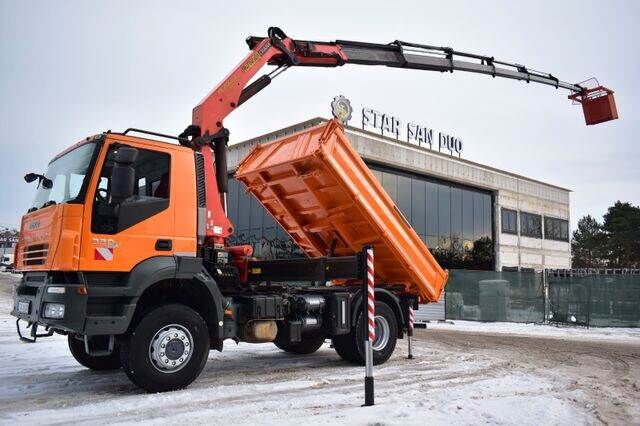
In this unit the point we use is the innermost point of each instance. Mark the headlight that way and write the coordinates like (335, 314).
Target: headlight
(55, 290)
(54, 310)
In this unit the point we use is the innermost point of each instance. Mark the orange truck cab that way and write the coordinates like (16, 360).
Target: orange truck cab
(74, 237)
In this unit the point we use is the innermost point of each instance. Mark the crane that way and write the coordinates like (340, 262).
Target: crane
(208, 135)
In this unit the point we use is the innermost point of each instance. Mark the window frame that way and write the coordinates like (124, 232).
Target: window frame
(522, 221)
(560, 221)
(504, 230)
(162, 204)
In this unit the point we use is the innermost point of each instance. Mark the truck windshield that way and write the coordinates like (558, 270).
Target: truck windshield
(67, 173)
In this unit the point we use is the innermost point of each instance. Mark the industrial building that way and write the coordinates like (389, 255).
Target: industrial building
(471, 216)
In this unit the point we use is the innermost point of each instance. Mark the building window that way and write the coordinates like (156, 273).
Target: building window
(455, 221)
(509, 221)
(556, 229)
(530, 225)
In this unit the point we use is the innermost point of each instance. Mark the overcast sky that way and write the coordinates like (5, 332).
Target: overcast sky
(76, 68)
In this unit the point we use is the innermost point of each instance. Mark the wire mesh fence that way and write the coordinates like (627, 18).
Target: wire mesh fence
(595, 297)
(495, 296)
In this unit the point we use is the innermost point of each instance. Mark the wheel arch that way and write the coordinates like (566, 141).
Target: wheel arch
(174, 279)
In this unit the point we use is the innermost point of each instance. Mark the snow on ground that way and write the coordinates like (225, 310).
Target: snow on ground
(456, 378)
(541, 330)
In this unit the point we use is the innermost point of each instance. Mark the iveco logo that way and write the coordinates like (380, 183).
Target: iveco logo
(34, 225)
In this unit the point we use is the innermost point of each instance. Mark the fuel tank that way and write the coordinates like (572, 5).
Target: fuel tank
(320, 191)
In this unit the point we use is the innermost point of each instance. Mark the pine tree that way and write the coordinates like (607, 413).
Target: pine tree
(622, 226)
(589, 244)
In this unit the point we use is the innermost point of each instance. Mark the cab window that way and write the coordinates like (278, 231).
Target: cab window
(150, 196)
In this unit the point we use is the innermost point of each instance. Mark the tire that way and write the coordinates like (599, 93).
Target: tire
(350, 347)
(181, 328)
(97, 363)
(309, 344)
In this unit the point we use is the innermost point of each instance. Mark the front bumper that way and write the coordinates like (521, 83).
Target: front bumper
(32, 293)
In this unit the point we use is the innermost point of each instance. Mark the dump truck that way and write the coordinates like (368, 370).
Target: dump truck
(125, 249)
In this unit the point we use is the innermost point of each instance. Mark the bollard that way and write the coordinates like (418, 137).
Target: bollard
(368, 317)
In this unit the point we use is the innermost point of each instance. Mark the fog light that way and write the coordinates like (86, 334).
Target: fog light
(54, 310)
(55, 290)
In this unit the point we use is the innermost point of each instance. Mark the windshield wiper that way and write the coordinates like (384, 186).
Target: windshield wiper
(48, 203)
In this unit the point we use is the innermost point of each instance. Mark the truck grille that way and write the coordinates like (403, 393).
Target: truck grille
(35, 254)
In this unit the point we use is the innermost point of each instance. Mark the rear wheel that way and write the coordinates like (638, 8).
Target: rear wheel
(167, 349)
(350, 346)
(309, 344)
(97, 363)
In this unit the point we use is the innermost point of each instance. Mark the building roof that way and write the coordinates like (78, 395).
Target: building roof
(317, 120)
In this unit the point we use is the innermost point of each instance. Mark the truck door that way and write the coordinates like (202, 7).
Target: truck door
(121, 233)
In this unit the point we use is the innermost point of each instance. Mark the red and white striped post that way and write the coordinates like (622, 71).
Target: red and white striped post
(368, 313)
(412, 320)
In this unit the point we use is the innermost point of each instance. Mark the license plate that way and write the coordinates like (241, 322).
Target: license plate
(23, 307)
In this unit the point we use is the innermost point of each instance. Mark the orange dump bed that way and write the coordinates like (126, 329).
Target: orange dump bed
(319, 190)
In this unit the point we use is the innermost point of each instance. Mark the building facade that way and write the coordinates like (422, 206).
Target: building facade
(471, 216)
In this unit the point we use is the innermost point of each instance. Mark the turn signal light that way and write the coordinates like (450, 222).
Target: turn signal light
(82, 291)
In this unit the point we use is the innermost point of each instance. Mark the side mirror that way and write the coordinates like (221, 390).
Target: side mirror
(123, 174)
(44, 181)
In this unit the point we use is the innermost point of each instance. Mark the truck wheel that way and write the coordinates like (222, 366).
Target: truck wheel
(350, 346)
(309, 344)
(97, 363)
(167, 349)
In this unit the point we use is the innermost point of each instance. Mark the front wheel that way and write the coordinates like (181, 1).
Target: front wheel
(350, 346)
(167, 349)
(97, 363)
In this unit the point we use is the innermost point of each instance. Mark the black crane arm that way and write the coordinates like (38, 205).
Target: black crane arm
(400, 54)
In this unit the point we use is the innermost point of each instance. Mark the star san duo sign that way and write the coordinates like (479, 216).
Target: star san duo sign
(391, 125)
(416, 134)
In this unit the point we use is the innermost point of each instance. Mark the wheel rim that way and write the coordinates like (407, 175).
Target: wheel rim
(383, 332)
(171, 348)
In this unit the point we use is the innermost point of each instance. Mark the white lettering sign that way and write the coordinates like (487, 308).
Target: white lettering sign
(383, 122)
(416, 133)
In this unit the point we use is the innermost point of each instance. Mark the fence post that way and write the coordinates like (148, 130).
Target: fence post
(545, 287)
(589, 304)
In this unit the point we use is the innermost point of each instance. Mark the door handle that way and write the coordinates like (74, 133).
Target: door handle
(164, 245)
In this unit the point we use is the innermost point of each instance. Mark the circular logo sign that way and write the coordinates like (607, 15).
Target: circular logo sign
(341, 109)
